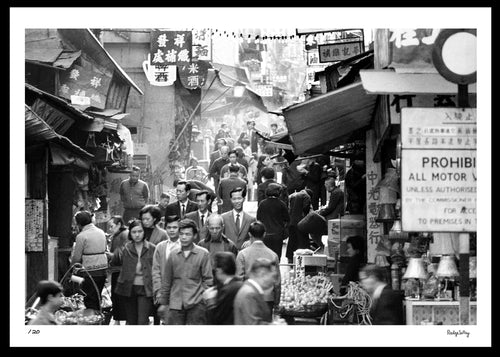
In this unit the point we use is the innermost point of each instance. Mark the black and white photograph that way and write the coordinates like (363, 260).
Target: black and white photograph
(322, 167)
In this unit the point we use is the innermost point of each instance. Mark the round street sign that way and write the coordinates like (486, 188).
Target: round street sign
(454, 55)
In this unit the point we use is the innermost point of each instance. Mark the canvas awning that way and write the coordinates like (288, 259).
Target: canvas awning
(217, 92)
(391, 82)
(329, 120)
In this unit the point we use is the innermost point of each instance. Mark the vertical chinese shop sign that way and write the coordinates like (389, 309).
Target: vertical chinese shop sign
(374, 230)
(438, 169)
(169, 49)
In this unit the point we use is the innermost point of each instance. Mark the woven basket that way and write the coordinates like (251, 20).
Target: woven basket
(307, 311)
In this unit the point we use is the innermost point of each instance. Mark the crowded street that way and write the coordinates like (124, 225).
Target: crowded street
(242, 174)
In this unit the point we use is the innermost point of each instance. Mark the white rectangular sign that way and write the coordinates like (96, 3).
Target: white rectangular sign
(438, 128)
(438, 190)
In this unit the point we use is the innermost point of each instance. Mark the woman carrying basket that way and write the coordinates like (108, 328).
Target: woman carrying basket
(89, 250)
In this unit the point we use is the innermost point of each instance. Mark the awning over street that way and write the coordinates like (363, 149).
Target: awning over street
(217, 93)
(38, 131)
(391, 82)
(320, 124)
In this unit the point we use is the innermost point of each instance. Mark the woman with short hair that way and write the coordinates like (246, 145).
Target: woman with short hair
(135, 282)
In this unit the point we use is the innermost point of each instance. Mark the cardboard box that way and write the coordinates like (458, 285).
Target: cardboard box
(341, 228)
(318, 260)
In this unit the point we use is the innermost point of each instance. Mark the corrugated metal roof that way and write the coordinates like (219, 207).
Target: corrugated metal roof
(60, 102)
(37, 130)
(54, 57)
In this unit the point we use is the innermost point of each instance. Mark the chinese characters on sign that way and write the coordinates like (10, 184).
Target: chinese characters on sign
(264, 90)
(339, 51)
(439, 190)
(171, 47)
(202, 44)
(374, 229)
(160, 75)
(412, 48)
(193, 75)
(85, 83)
(313, 57)
(34, 225)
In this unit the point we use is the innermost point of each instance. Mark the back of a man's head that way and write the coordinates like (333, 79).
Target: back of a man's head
(257, 230)
(268, 173)
(233, 168)
(375, 271)
(260, 264)
(83, 218)
(226, 262)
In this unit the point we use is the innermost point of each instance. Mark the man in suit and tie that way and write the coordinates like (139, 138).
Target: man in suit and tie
(226, 186)
(237, 222)
(183, 205)
(200, 216)
(387, 304)
(250, 308)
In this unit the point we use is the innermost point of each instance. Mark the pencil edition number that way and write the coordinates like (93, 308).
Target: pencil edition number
(33, 332)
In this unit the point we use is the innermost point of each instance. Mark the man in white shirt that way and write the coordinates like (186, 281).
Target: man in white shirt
(237, 222)
(162, 252)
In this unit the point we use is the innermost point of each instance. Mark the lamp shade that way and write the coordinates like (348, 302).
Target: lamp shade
(415, 269)
(447, 267)
(386, 213)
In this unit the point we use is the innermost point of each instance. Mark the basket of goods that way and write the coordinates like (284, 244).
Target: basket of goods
(351, 308)
(305, 296)
(79, 317)
(73, 310)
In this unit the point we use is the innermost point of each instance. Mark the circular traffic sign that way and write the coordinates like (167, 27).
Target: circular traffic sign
(454, 55)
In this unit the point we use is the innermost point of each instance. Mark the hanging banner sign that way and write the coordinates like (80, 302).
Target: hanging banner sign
(171, 48)
(193, 75)
(161, 75)
(78, 81)
(339, 51)
(438, 169)
(202, 45)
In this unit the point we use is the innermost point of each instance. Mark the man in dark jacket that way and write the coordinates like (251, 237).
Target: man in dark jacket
(183, 204)
(274, 214)
(268, 174)
(227, 285)
(335, 207)
(387, 304)
(134, 194)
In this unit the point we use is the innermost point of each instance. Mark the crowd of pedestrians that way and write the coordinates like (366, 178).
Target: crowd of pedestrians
(180, 263)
